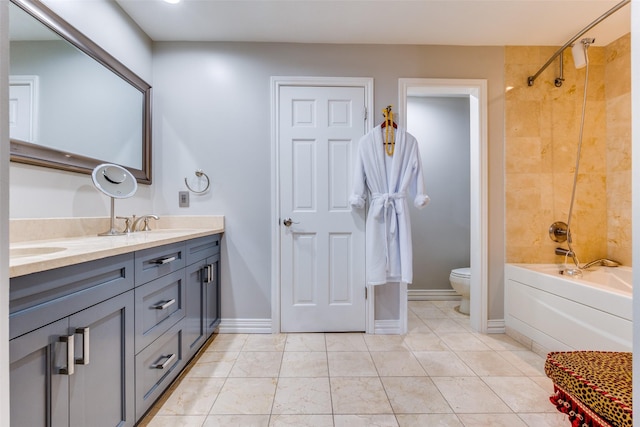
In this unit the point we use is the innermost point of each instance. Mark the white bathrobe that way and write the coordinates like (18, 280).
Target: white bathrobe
(387, 182)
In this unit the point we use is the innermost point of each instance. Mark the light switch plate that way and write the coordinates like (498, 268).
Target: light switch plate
(183, 199)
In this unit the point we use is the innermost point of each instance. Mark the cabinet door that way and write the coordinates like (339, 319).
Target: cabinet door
(101, 391)
(195, 329)
(39, 392)
(212, 294)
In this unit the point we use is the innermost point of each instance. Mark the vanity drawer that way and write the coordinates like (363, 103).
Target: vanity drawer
(158, 306)
(156, 366)
(202, 247)
(157, 262)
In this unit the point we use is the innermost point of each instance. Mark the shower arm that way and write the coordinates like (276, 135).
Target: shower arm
(608, 13)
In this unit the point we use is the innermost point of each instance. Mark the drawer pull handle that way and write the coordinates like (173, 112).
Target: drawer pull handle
(68, 370)
(166, 363)
(162, 261)
(165, 304)
(84, 360)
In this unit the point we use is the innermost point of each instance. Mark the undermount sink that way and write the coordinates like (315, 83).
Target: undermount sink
(163, 230)
(35, 251)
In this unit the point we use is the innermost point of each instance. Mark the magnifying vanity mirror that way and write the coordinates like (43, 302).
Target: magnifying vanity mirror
(73, 105)
(117, 183)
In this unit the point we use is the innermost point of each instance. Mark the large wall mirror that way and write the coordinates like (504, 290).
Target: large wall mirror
(72, 104)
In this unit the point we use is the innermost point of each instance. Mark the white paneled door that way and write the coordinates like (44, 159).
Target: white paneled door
(322, 239)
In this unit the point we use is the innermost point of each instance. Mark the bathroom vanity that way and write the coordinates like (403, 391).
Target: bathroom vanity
(98, 341)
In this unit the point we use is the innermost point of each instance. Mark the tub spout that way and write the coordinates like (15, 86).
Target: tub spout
(568, 253)
(564, 252)
(605, 262)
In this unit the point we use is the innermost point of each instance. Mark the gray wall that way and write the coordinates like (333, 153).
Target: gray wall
(212, 111)
(4, 213)
(441, 233)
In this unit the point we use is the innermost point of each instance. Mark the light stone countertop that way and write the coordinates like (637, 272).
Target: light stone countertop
(32, 256)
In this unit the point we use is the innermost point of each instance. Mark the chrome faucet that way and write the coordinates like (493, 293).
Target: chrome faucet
(145, 218)
(568, 252)
(605, 262)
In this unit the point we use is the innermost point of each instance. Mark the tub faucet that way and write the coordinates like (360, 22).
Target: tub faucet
(136, 222)
(568, 252)
(605, 262)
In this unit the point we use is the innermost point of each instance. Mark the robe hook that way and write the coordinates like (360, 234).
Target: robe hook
(199, 173)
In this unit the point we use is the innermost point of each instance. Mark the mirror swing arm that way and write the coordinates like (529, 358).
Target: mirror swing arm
(117, 183)
(34, 154)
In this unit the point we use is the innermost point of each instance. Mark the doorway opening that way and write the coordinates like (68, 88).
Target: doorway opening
(476, 92)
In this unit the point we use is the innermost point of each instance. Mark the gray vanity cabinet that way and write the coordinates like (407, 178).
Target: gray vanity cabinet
(76, 370)
(97, 343)
(203, 291)
(97, 391)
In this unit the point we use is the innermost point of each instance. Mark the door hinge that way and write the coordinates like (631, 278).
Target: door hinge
(366, 114)
(366, 293)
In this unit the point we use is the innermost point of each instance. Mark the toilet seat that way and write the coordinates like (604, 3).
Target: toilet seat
(462, 273)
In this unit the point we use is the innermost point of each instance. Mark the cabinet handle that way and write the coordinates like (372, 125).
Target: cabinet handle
(84, 360)
(209, 273)
(166, 363)
(68, 370)
(162, 261)
(164, 305)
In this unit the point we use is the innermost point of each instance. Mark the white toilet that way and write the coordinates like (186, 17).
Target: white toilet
(460, 279)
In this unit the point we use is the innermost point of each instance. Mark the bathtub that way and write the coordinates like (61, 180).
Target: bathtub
(556, 312)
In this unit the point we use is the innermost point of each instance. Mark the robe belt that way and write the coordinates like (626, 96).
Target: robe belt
(381, 203)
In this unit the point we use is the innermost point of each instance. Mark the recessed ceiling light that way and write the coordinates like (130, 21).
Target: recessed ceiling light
(172, 1)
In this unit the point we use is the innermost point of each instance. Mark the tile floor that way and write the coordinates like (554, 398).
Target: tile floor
(439, 374)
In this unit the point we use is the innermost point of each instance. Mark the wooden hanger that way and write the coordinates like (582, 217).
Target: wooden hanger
(388, 118)
(389, 134)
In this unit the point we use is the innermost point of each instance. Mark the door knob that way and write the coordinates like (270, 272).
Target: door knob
(288, 221)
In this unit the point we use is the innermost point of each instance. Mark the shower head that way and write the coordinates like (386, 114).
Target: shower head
(579, 52)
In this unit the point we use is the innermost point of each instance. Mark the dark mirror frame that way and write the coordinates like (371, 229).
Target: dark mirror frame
(33, 154)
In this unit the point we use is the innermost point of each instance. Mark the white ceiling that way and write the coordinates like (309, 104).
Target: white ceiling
(434, 22)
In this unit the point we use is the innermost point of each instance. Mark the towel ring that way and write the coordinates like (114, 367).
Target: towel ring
(199, 173)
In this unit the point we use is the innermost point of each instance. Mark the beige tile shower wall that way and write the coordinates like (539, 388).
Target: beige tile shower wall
(618, 98)
(542, 125)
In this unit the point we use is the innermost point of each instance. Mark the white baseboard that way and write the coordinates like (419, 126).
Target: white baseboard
(387, 327)
(432, 295)
(381, 327)
(245, 326)
(496, 326)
